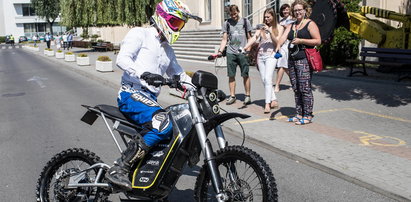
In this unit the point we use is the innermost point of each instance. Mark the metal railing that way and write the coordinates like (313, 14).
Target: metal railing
(270, 4)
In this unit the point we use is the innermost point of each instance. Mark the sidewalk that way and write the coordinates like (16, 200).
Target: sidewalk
(341, 147)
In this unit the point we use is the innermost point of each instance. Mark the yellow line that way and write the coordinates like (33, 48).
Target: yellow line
(331, 110)
(379, 115)
(285, 117)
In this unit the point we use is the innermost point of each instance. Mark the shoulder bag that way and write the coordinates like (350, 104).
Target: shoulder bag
(314, 59)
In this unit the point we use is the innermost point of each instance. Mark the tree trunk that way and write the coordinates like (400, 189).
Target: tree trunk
(51, 26)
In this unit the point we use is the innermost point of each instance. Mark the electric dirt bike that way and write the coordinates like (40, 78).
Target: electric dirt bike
(233, 173)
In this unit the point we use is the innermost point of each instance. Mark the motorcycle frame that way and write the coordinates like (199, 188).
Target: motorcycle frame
(199, 123)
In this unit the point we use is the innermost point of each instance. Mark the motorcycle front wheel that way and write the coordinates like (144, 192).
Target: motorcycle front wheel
(244, 174)
(53, 181)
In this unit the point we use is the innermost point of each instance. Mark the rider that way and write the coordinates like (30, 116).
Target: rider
(144, 57)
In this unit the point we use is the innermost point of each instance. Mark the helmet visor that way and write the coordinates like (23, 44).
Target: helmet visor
(175, 23)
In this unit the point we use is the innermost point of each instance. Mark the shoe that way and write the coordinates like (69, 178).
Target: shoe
(274, 104)
(303, 121)
(267, 109)
(118, 174)
(230, 100)
(276, 89)
(294, 119)
(247, 100)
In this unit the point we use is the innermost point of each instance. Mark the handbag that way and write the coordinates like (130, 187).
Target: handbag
(314, 59)
(252, 55)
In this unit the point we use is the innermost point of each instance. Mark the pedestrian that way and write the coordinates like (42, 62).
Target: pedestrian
(70, 41)
(282, 64)
(267, 36)
(146, 55)
(303, 33)
(48, 39)
(236, 32)
(64, 38)
(34, 39)
(57, 41)
(12, 39)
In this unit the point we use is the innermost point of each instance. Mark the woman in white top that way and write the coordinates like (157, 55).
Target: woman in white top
(57, 41)
(282, 64)
(267, 35)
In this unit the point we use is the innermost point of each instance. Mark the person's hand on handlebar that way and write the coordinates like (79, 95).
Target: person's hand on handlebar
(153, 79)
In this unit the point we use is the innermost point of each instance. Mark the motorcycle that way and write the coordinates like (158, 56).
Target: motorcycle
(233, 173)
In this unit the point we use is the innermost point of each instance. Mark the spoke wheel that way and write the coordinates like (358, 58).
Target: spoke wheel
(54, 179)
(245, 177)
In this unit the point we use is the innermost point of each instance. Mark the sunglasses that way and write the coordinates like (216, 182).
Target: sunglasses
(175, 23)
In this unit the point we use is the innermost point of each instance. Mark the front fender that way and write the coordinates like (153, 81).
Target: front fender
(217, 120)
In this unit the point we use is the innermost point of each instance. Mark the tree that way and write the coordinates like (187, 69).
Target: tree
(98, 13)
(47, 9)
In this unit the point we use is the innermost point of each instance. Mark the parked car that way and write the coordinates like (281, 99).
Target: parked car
(22, 38)
(7, 39)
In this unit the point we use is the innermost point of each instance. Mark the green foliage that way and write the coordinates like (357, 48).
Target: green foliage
(2, 39)
(84, 35)
(344, 44)
(82, 55)
(104, 58)
(86, 13)
(69, 53)
(59, 51)
(352, 5)
(95, 36)
(47, 9)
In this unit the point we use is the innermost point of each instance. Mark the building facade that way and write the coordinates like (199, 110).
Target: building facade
(17, 17)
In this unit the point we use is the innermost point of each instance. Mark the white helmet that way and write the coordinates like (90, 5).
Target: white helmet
(170, 17)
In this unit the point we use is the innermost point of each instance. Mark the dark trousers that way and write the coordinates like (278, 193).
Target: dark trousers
(300, 77)
(48, 44)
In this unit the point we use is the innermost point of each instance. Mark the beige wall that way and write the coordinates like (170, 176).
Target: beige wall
(112, 34)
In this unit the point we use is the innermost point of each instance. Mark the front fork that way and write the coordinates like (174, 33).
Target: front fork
(207, 149)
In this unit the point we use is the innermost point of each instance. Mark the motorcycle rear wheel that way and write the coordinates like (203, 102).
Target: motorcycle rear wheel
(54, 177)
(245, 177)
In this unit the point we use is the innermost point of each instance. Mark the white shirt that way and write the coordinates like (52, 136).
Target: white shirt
(141, 51)
(64, 38)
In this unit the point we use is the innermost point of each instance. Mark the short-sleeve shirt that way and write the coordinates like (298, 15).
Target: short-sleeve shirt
(237, 37)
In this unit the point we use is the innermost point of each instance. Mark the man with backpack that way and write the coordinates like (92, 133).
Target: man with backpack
(236, 32)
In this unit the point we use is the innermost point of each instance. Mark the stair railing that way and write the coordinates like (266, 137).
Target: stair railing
(270, 4)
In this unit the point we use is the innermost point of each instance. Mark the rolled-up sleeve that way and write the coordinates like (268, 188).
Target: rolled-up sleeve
(130, 46)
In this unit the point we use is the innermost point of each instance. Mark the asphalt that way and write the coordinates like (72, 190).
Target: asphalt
(334, 147)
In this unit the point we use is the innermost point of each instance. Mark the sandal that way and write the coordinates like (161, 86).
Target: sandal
(294, 119)
(275, 105)
(267, 109)
(303, 121)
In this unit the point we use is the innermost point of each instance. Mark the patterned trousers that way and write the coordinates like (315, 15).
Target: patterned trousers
(300, 77)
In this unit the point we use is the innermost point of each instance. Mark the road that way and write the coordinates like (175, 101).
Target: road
(40, 108)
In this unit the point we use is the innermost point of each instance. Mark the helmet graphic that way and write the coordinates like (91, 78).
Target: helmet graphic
(170, 17)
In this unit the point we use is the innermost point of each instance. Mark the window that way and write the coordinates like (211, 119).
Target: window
(248, 9)
(226, 10)
(207, 10)
(28, 10)
(29, 28)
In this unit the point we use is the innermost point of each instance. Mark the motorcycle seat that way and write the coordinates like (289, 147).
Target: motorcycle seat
(115, 113)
